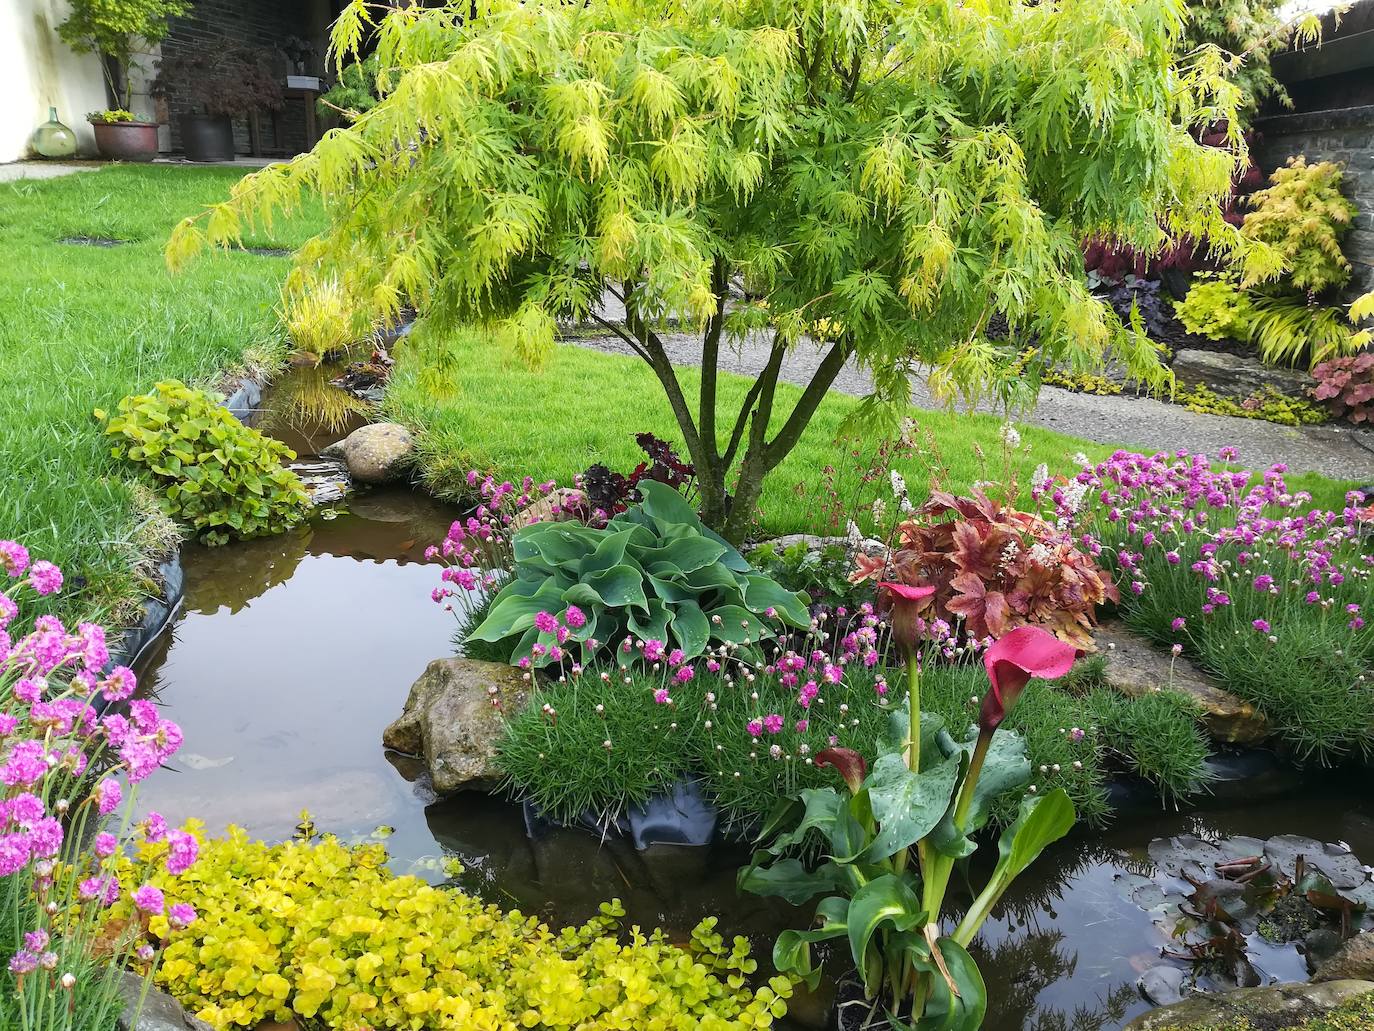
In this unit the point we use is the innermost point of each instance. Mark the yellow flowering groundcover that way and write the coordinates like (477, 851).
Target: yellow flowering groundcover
(325, 933)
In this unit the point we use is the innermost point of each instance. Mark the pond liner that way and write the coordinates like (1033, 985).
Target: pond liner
(158, 613)
(680, 816)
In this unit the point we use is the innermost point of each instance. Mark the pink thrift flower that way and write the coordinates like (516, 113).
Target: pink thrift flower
(119, 685)
(755, 728)
(149, 899)
(684, 674)
(108, 795)
(182, 850)
(801, 726)
(1178, 624)
(14, 557)
(45, 578)
(772, 723)
(105, 844)
(676, 657)
(182, 914)
(546, 623)
(1262, 625)
(575, 617)
(661, 696)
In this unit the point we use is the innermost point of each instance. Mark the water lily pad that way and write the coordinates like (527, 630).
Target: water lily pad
(1337, 864)
(1185, 855)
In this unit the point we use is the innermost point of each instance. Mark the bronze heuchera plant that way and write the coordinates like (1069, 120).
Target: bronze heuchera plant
(994, 568)
(890, 840)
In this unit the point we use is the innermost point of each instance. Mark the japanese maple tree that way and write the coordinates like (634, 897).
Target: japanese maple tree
(871, 180)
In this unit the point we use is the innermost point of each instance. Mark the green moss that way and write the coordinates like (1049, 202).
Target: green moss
(1355, 1015)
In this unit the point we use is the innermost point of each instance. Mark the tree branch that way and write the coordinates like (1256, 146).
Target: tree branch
(710, 362)
(657, 357)
(630, 341)
(777, 449)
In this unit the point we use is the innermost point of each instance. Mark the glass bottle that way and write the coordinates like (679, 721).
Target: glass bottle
(52, 139)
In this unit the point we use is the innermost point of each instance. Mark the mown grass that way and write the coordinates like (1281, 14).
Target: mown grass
(474, 406)
(84, 326)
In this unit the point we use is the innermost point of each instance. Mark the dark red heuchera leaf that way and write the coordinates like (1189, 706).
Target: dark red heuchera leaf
(1012, 660)
(850, 764)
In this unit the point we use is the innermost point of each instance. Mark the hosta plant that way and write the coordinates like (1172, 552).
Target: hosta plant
(653, 572)
(889, 843)
(219, 476)
(994, 568)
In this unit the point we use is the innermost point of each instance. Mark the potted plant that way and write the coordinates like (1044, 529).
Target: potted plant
(220, 85)
(111, 29)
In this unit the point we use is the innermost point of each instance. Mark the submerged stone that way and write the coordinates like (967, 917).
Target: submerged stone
(1354, 959)
(451, 721)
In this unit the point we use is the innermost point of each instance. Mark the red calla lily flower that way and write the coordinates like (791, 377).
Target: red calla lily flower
(852, 766)
(1012, 660)
(906, 602)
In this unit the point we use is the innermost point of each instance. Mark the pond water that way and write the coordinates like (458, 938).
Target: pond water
(291, 654)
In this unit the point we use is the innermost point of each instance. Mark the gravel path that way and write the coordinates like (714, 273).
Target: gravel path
(1139, 422)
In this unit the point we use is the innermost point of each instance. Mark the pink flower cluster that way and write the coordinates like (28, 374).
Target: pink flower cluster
(476, 552)
(57, 728)
(1250, 546)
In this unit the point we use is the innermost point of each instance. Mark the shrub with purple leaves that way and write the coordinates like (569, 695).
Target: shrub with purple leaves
(1347, 386)
(74, 744)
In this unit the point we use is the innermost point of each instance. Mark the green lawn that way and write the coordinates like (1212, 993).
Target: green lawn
(474, 406)
(83, 326)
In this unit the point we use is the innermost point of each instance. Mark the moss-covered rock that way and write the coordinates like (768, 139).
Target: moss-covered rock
(1332, 1006)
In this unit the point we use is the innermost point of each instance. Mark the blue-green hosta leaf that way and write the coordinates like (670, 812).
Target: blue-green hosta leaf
(715, 577)
(763, 592)
(680, 556)
(736, 624)
(907, 805)
(662, 502)
(884, 901)
(672, 591)
(557, 545)
(619, 586)
(513, 611)
(610, 551)
(652, 625)
(789, 879)
(691, 628)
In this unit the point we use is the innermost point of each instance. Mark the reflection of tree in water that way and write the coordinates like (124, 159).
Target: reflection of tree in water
(1041, 887)
(304, 408)
(1019, 969)
(231, 576)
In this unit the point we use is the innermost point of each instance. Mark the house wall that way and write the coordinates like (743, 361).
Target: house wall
(38, 71)
(1332, 119)
(261, 25)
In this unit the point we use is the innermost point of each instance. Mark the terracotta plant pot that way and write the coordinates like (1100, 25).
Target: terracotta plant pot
(126, 141)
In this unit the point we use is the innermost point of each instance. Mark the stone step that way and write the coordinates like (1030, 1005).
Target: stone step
(1137, 666)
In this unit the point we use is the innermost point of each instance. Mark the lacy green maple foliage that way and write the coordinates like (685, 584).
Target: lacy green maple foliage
(870, 179)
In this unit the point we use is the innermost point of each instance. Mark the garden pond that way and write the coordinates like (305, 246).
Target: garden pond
(316, 635)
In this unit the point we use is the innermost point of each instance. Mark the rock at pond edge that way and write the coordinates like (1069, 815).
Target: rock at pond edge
(376, 453)
(1353, 960)
(451, 722)
(160, 1011)
(1272, 1006)
(1136, 667)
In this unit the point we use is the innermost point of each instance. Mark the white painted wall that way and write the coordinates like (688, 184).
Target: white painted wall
(38, 71)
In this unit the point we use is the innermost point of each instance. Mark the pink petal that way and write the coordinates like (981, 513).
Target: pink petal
(907, 591)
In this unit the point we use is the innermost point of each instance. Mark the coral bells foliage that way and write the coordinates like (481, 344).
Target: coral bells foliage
(65, 759)
(993, 569)
(1347, 386)
(1267, 592)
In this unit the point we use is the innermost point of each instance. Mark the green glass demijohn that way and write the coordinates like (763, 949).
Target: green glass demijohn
(52, 139)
